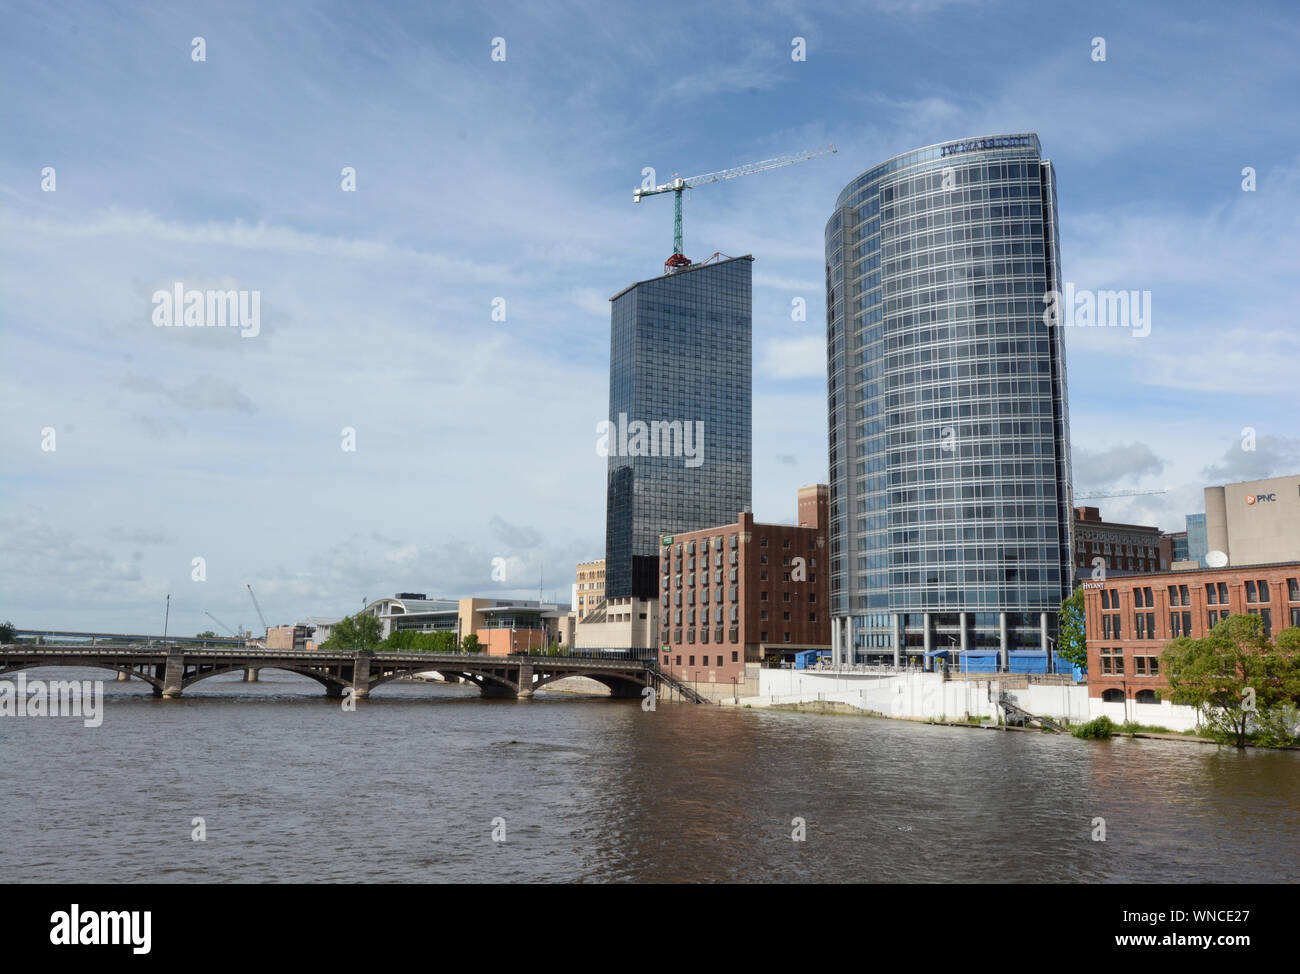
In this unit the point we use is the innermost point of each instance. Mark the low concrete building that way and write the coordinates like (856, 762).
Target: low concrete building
(503, 626)
(296, 637)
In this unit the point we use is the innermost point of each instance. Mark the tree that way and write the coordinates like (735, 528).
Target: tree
(470, 644)
(1071, 638)
(6, 632)
(1234, 674)
(361, 631)
(205, 634)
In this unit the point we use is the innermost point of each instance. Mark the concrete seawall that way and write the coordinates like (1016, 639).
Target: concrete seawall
(928, 696)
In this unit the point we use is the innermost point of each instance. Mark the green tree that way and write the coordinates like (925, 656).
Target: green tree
(205, 634)
(1234, 675)
(1071, 639)
(361, 631)
(470, 644)
(6, 632)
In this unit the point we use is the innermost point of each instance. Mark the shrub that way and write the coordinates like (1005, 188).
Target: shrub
(1096, 730)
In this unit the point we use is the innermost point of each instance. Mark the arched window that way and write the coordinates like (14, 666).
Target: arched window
(1145, 696)
(1113, 695)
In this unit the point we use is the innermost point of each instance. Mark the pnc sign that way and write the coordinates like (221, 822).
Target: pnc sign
(1252, 499)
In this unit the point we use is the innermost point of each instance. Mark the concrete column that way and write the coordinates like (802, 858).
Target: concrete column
(525, 682)
(898, 639)
(361, 676)
(123, 676)
(1042, 641)
(251, 674)
(963, 632)
(850, 653)
(925, 621)
(836, 655)
(173, 677)
(1004, 659)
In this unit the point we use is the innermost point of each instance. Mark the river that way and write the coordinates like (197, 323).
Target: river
(293, 788)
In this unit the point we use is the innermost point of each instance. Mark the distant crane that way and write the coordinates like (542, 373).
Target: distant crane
(1118, 493)
(265, 627)
(679, 185)
(232, 632)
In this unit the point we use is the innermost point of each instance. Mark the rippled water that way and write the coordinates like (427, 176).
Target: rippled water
(292, 788)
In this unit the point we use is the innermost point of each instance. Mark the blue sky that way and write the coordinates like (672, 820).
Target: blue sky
(479, 179)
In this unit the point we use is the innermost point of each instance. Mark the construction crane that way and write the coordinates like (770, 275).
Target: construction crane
(223, 625)
(265, 627)
(679, 185)
(1119, 493)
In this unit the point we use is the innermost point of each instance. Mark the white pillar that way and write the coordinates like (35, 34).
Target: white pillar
(835, 641)
(1042, 640)
(850, 654)
(898, 639)
(1005, 660)
(925, 620)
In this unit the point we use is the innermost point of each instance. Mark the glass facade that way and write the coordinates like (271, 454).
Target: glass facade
(1198, 545)
(946, 398)
(679, 446)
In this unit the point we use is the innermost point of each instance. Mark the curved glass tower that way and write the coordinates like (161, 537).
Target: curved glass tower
(946, 397)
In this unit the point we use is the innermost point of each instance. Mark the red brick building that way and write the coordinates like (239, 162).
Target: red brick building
(734, 594)
(1123, 548)
(1129, 620)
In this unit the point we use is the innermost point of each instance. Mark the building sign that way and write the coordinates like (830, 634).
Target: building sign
(1259, 498)
(977, 144)
(668, 540)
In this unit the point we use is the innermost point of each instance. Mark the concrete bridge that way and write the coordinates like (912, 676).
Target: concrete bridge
(171, 670)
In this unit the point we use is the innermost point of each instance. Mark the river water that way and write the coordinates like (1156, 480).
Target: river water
(291, 787)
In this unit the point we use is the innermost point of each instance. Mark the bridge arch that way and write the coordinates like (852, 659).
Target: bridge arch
(323, 679)
(153, 681)
(625, 681)
(475, 677)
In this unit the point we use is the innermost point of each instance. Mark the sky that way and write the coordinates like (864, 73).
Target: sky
(128, 450)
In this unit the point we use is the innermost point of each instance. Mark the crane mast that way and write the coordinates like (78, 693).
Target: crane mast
(265, 627)
(680, 185)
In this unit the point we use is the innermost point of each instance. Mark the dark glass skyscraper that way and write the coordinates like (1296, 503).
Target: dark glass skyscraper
(679, 432)
(949, 432)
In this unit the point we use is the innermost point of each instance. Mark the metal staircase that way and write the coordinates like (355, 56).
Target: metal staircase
(1023, 716)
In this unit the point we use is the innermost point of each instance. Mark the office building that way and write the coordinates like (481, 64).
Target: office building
(1197, 541)
(1255, 521)
(1128, 622)
(678, 435)
(950, 516)
(1119, 549)
(736, 594)
(589, 589)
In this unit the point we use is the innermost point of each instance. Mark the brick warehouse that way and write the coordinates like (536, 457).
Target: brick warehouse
(732, 595)
(1129, 620)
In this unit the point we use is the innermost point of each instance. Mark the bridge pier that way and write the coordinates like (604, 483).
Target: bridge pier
(525, 682)
(123, 676)
(173, 677)
(361, 677)
(251, 674)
